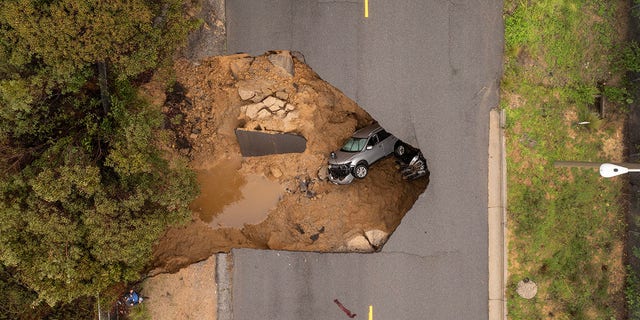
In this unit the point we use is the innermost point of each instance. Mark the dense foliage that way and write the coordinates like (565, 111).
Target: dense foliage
(85, 189)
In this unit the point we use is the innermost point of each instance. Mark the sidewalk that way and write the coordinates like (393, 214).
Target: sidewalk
(497, 187)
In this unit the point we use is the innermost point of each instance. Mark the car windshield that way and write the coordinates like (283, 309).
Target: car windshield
(354, 144)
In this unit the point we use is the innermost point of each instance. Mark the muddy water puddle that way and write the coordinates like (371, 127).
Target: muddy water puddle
(229, 199)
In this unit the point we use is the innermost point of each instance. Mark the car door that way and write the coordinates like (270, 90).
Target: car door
(375, 150)
(387, 142)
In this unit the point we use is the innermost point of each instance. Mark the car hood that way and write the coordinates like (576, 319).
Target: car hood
(343, 157)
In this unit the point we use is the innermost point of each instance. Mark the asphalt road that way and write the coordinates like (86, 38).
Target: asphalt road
(428, 71)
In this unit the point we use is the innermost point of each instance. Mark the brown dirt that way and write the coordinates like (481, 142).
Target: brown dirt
(190, 293)
(204, 121)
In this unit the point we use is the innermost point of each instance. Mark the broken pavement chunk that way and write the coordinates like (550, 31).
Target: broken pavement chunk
(262, 143)
(283, 61)
(298, 55)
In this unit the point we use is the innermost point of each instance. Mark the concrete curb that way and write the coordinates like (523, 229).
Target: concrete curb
(497, 187)
(223, 286)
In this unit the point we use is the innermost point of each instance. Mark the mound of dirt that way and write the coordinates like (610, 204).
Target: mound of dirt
(217, 95)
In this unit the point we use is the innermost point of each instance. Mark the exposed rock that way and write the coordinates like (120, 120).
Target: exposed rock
(260, 89)
(246, 94)
(322, 173)
(376, 237)
(276, 172)
(290, 122)
(291, 116)
(253, 109)
(276, 239)
(260, 96)
(282, 95)
(283, 61)
(274, 108)
(359, 244)
(269, 101)
(239, 66)
(289, 107)
(263, 114)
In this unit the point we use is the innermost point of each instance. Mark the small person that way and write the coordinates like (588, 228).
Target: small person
(133, 298)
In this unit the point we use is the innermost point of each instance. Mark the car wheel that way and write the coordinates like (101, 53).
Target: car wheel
(361, 170)
(400, 149)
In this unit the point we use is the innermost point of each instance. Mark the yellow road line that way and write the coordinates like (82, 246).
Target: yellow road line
(370, 307)
(366, 8)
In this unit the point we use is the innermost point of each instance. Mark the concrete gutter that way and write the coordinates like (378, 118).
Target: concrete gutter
(497, 218)
(223, 286)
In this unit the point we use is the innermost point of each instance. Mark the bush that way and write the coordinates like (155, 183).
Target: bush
(632, 294)
(628, 58)
(139, 312)
(618, 95)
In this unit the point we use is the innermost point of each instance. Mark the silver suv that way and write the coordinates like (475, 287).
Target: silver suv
(365, 147)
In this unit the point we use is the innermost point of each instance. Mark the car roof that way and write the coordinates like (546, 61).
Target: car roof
(367, 131)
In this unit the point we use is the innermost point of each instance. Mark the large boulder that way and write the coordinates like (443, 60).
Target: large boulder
(376, 237)
(359, 244)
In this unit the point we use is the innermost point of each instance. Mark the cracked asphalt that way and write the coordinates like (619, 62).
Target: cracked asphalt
(429, 72)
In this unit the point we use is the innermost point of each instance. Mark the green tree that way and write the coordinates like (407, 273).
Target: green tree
(84, 191)
(17, 302)
(64, 37)
(72, 223)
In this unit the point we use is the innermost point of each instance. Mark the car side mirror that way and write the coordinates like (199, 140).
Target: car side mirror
(369, 147)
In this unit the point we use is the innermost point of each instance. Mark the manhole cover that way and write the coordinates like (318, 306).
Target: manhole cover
(527, 288)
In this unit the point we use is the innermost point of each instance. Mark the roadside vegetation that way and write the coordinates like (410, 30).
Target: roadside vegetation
(566, 225)
(86, 184)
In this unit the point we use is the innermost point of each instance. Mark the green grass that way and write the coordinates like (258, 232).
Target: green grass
(566, 225)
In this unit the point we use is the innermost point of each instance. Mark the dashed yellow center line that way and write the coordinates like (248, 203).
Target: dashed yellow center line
(370, 307)
(366, 8)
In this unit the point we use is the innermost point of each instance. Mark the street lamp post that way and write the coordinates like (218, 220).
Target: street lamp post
(609, 170)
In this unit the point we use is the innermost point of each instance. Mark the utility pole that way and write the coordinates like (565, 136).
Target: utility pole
(606, 169)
